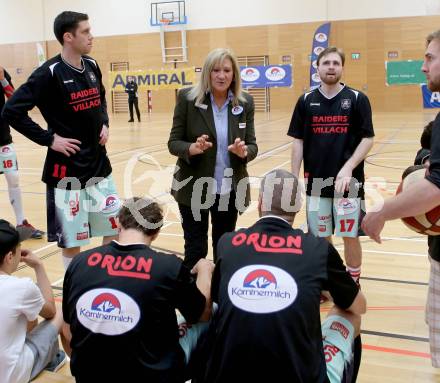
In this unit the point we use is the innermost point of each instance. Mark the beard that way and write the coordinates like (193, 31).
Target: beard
(434, 85)
(331, 80)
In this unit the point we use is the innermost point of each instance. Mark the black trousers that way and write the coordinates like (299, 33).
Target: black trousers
(131, 102)
(195, 232)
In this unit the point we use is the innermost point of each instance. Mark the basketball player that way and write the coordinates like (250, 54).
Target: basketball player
(267, 283)
(421, 197)
(120, 300)
(8, 159)
(81, 196)
(332, 131)
(432, 319)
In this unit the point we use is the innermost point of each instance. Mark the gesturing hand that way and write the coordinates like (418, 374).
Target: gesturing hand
(200, 145)
(239, 148)
(64, 145)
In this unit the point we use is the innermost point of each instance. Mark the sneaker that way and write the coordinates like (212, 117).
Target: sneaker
(36, 234)
(57, 362)
(131, 120)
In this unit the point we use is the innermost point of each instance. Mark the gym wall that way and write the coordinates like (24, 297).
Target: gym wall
(115, 26)
(371, 38)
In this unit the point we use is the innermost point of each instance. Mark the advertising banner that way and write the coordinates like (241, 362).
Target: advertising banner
(430, 99)
(320, 42)
(404, 72)
(154, 79)
(266, 76)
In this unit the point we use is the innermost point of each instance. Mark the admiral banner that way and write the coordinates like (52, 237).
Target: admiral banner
(154, 79)
(266, 76)
(320, 42)
(430, 99)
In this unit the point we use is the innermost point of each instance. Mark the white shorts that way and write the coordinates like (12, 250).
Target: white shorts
(8, 159)
(73, 216)
(340, 216)
(337, 342)
(190, 335)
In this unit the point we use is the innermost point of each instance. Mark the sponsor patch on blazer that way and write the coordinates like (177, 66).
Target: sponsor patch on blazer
(242, 125)
(236, 110)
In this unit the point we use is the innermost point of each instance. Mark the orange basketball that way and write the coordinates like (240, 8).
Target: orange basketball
(428, 223)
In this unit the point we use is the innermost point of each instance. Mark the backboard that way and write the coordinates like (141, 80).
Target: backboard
(168, 13)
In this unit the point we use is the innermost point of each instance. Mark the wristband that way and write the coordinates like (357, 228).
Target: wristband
(8, 89)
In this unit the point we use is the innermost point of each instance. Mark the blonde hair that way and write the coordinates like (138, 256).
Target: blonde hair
(215, 57)
(433, 36)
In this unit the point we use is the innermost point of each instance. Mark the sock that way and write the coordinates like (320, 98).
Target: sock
(355, 273)
(17, 205)
(14, 192)
(66, 262)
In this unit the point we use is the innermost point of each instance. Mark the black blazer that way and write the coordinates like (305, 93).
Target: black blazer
(191, 121)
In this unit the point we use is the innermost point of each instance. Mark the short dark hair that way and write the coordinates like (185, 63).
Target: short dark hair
(67, 21)
(3, 255)
(141, 214)
(279, 194)
(329, 50)
(10, 237)
(425, 138)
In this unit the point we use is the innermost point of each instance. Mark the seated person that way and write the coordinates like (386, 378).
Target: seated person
(267, 283)
(26, 347)
(120, 301)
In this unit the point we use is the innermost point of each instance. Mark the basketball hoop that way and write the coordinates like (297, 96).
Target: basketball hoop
(169, 13)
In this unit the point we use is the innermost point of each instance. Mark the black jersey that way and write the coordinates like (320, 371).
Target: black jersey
(434, 158)
(434, 177)
(267, 283)
(120, 303)
(5, 131)
(331, 130)
(72, 102)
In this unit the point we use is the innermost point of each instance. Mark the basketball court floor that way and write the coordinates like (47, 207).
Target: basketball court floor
(394, 274)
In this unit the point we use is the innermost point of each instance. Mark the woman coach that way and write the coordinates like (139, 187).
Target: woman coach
(213, 137)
